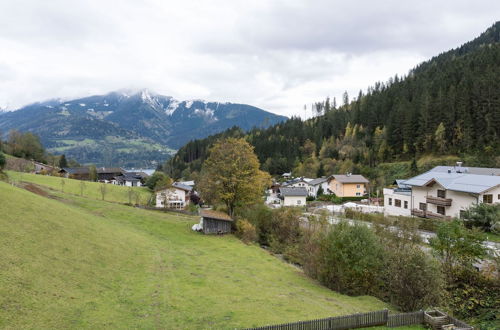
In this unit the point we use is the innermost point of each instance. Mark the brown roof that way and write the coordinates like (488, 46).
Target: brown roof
(352, 178)
(215, 215)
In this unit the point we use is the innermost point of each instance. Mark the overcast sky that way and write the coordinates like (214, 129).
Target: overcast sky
(277, 55)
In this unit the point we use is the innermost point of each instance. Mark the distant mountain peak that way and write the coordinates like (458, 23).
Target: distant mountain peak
(92, 128)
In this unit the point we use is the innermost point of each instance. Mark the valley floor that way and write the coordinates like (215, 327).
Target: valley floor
(75, 262)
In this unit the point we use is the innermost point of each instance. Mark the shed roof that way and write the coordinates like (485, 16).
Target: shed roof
(299, 191)
(215, 215)
(351, 178)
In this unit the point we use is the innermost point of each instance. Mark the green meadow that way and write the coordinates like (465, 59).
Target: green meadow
(78, 262)
(92, 190)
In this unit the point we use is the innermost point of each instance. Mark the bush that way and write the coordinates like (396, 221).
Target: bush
(413, 279)
(284, 231)
(246, 231)
(330, 198)
(483, 216)
(351, 259)
(259, 216)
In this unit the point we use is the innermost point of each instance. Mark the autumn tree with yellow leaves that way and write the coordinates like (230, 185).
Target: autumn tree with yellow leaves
(231, 175)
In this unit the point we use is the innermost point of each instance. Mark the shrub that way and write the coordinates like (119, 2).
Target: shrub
(2, 161)
(413, 279)
(351, 259)
(284, 229)
(246, 231)
(484, 216)
(258, 215)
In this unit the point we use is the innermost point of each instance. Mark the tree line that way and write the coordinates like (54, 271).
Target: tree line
(449, 105)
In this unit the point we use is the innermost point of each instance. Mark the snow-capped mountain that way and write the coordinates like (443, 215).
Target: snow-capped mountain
(87, 128)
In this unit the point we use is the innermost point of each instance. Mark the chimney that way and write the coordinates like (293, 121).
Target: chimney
(459, 167)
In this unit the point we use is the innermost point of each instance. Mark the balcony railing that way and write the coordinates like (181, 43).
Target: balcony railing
(439, 201)
(428, 214)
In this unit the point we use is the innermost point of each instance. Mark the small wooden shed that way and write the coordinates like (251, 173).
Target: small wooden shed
(215, 222)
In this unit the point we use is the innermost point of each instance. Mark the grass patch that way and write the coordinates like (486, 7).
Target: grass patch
(72, 262)
(119, 194)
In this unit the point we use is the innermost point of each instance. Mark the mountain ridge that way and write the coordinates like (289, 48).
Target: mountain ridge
(157, 123)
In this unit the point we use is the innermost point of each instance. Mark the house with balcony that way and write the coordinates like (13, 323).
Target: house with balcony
(176, 196)
(447, 191)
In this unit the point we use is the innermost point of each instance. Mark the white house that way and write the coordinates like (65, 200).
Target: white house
(301, 183)
(397, 201)
(315, 184)
(447, 191)
(293, 196)
(175, 197)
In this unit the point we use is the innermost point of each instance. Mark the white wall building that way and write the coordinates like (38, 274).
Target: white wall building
(175, 197)
(447, 191)
(293, 196)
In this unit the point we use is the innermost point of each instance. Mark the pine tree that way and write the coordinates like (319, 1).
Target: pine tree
(63, 162)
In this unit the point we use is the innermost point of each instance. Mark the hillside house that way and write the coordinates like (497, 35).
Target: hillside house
(397, 199)
(293, 196)
(106, 174)
(445, 191)
(175, 197)
(214, 222)
(79, 173)
(348, 185)
(42, 168)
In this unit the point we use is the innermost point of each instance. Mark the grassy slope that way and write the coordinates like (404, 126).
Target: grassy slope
(92, 189)
(79, 262)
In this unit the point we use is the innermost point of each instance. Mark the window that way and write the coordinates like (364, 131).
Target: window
(440, 210)
(358, 194)
(397, 203)
(422, 206)
(462, 214)
(358, 186)
(499, 197)
(390, 201)
(441, 193)
(488, 199)
(406, 204)
(299, 202)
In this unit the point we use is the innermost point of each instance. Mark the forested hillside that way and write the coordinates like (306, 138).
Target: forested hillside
(449, 105)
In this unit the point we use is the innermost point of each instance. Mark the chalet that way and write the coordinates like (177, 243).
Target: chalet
(80, 173)
(397, 199)
(447, 191)
(43, 168)
(106, 174)
(130, 179)
(295, 196)
(214, 222)
(348, 185)
(175, 197)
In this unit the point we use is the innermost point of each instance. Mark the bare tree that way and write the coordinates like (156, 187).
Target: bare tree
(103, 189)
(82, 187)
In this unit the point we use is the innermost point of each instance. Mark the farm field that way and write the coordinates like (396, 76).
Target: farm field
(73, 262)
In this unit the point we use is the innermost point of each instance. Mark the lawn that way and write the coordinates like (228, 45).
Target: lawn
(73, 262)
(91, 190)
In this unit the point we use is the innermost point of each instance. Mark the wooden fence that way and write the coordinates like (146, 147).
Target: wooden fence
(399, 320)
(362, 320)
